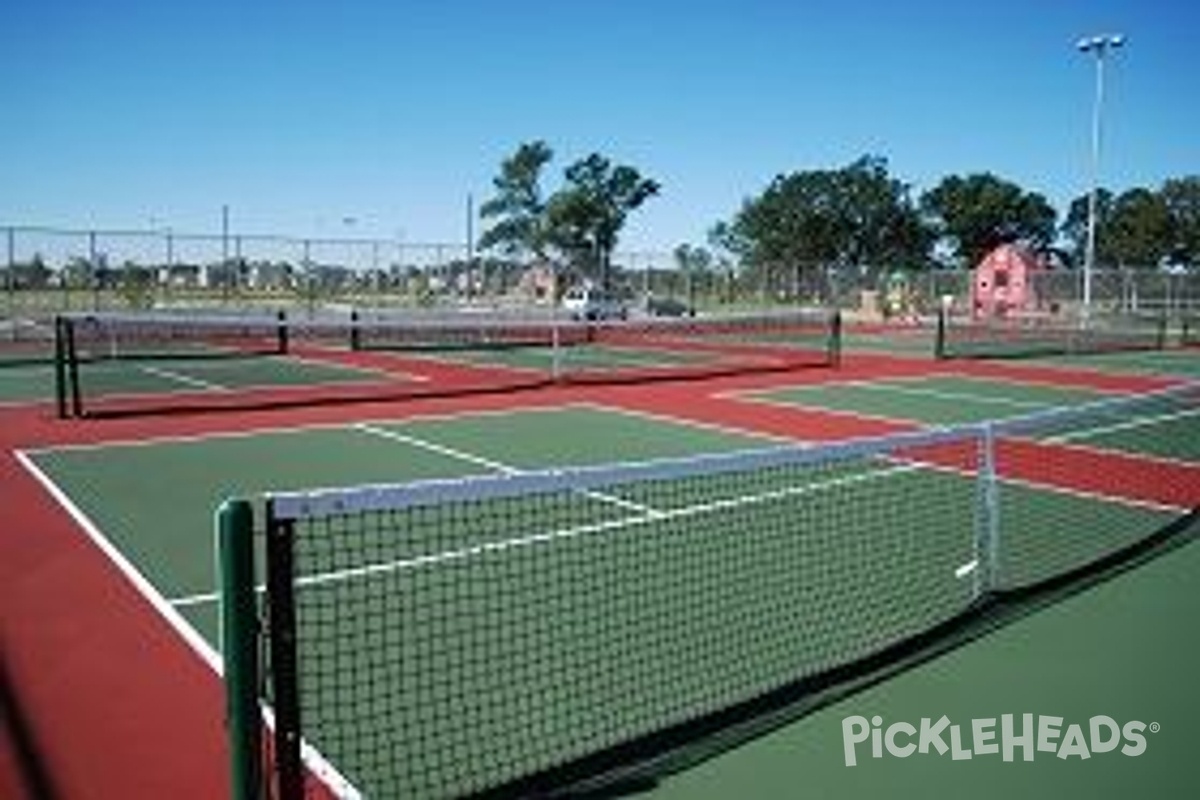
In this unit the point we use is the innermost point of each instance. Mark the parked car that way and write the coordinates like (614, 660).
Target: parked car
(668, 307)
(591, 303)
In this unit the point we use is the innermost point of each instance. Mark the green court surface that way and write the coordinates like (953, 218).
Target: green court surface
(1119, 649)
(884, 548)
(1168, 435)
(900, 342)
(128, 491)
(589, 357)
(939, 400)
(166, 376)
(1183, 362)
(26, 383)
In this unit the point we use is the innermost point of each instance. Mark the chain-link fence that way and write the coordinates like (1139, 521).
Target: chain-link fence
(46, 270)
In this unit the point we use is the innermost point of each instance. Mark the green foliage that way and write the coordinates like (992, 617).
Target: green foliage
(1074, 227)
(1181, 197)
(1140, 228)
(518, 208)
(136, 286)
(856, 215)
(975, 213)
(581, 220)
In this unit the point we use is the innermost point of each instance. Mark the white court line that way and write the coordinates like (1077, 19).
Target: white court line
(668, 419)
(146, 589)
(250, 433)
(495, 466)
(550, 537)
(942, 395)
(967, 569)
(695, 510)
(169, 611)
(1120, 426)
(180, 378)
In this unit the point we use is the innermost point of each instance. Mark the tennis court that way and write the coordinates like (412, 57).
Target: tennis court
(606, 604)
(944, 399)
(116, 364)
(1182, 362)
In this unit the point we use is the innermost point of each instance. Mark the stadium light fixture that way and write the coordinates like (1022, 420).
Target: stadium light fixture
(1098, 46)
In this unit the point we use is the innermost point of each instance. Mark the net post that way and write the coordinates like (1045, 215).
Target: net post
(281, 332)
(939, 342)
(1160, 342)
(835, 339)
(289, 769)
(60, 368)
(555, 352)
(239, 642)
(71, 355)
(987, 516)
(355, 333)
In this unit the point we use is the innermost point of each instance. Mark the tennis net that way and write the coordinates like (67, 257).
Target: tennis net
(508, 635)
(1033, 336)
(129, 364)
(26, 341)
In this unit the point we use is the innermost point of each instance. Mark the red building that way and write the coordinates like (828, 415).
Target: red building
(1005, 283)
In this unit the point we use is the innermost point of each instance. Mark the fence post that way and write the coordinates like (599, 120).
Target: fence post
(93, 270)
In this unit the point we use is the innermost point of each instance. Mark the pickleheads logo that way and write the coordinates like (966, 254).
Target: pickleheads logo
(983, 737)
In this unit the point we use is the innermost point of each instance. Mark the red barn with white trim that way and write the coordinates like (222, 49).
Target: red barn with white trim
(1003, 282)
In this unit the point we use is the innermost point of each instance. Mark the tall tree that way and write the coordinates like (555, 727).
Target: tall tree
(856, 215)
(1075, 225)
(975, 213)
(1182, 199)
(581, 220)
(518, 208)
(1140, 228)
(585, 217)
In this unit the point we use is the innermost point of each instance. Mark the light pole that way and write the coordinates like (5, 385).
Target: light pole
(1099, 46)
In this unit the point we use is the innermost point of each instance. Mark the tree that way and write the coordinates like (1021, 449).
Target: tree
(1181, 196)
(581, 220)
(1140, 228)
(587, 214)
(694, 265)
(975, 213)
(856, 215)
(518, 207)
(1075, 225)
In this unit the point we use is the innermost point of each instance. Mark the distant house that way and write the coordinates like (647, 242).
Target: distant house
(539, 283)
(1004, 282)
(182, 276)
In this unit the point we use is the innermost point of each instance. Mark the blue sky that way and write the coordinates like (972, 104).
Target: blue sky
(300, 114)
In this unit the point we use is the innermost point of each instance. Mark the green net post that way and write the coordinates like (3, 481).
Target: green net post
(1161, 340)
(239, 644)
(939, 342)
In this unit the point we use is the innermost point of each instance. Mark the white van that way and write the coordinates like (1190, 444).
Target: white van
(592, 303)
